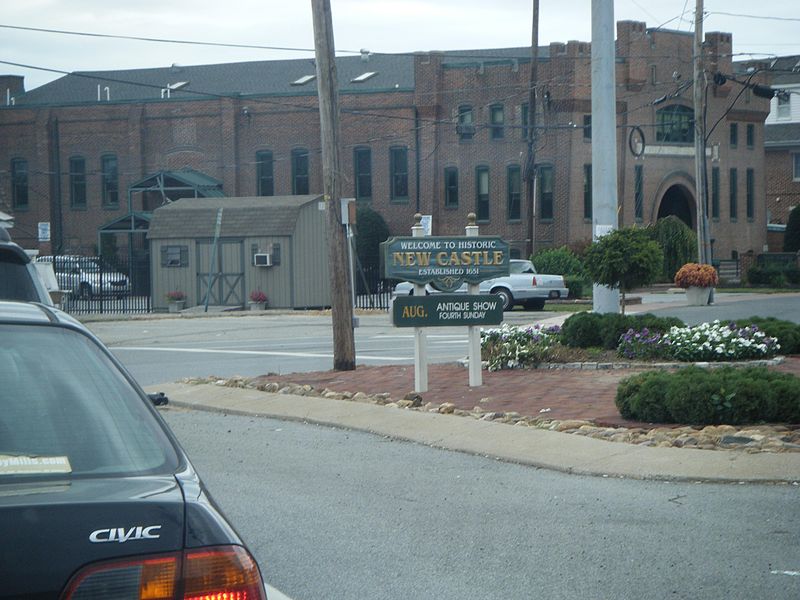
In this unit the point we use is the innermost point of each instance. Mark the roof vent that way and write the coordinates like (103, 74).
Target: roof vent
(177, 85)
(364, 55)
(363, 77)
(304, 80)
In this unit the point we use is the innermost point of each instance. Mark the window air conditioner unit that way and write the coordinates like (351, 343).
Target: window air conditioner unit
(262, 260)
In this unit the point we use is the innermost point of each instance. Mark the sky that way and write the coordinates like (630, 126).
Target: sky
(765, 28)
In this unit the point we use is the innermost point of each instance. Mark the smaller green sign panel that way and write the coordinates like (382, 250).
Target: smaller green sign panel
(440, 310)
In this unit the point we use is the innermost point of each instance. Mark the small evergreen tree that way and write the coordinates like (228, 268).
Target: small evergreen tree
(558, 261)
(371, 230)
(791, 239)
(625, 259)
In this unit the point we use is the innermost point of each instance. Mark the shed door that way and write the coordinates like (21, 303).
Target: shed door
(223, 278)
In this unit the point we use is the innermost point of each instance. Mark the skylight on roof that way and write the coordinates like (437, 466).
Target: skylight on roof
(304, 80)
(364, 77)
(177, 85)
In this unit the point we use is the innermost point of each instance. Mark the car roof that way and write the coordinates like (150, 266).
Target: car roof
(12, 248)
(35, 313)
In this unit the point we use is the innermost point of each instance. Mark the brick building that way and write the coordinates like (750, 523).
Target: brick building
(438, 133)
(782, 146)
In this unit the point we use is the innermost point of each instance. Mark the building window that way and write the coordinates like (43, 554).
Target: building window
(638, 192)
(362, 163)
(497, 121)
(784, 107)
(796, 167)
(675, 124)
(733, 198)
(751, 135)
(300, 172)
(734, 135)
(545, 187)
(750, 190)
(653, 75)
(77, 182)
(715, 192)
(265, 177)
(175, 256)
(514, 196)
(398, 166)
(110, 180)
(587, 191)
(524, 120)
(482, 193)
(19, 183)
(451, 187)
(587, 127)
(466, 125)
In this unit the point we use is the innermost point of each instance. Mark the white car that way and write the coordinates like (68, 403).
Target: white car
(522, 286)
(85, 277)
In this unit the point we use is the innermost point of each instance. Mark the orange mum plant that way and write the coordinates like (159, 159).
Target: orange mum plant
(696, 275)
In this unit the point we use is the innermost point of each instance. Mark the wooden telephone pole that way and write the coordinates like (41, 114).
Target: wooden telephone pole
(344, 351)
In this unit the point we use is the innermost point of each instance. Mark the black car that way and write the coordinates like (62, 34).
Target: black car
(97, 498)
(19, 279)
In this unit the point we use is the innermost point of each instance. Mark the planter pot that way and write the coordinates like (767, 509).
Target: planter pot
(698, 296)
(258, 306)
(176, 307)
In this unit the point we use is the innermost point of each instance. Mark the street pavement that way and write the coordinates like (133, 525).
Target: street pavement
(524, 445)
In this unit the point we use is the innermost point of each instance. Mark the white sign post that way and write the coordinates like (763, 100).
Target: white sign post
(420, 338)
(474, 331)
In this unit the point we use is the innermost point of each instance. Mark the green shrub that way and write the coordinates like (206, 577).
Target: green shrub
(558, 261)
(582, 330)
(711, 396)
(578, 286)
(787, 333)
(792, 275)
(773, 276)
(677, 240)
(587, 330)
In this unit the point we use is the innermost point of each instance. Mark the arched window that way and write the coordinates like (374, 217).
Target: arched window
(675, 124)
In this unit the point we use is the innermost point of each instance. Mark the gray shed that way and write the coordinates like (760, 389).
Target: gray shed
(275, 244)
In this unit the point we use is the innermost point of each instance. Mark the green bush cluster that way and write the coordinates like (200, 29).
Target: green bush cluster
(590, 330)
(579, 287)
(558, 261)
(711, 396)
(786, 332)
(773, 276)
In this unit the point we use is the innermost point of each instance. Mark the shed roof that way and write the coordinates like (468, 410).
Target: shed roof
(241, 217)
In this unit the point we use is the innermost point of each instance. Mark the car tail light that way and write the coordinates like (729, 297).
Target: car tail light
(533, 282)
(215, 573)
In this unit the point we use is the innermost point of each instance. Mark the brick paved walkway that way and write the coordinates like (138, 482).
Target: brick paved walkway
(567, 393)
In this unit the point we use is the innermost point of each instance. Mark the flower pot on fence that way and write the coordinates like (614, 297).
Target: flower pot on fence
(698, 296)
(258, 305)
(176, 306)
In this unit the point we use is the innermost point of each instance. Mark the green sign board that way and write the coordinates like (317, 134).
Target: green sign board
(440, 310)
(445, 262)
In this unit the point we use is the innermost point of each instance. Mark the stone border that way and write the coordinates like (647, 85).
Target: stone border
(752, 438)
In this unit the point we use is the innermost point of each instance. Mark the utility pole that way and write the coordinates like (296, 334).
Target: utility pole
(344, 352)
(604, 139)
(703, 242)
(530, 164)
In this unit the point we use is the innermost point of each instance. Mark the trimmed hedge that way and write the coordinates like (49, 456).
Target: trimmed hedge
(773, 276)
(787, 333)
(698, 396)
(591, 330)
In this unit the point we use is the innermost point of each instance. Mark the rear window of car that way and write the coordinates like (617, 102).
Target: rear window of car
(67, 410)
(15, 279)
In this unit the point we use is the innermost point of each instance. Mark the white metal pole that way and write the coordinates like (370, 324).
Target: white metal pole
(604, 139)
(420, 339)
(474, 331)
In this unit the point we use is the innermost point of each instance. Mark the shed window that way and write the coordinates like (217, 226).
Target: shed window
(175, 256)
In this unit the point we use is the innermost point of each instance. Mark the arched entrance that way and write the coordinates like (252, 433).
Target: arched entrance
(678, 201)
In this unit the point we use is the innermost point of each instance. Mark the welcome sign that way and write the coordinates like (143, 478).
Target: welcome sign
(445, 262)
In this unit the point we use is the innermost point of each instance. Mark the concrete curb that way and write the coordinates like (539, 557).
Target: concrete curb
(523, 445)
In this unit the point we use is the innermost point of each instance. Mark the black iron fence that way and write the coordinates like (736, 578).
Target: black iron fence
(372, 290)
(92, 284)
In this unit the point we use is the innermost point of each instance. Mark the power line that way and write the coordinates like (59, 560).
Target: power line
(763, 17)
